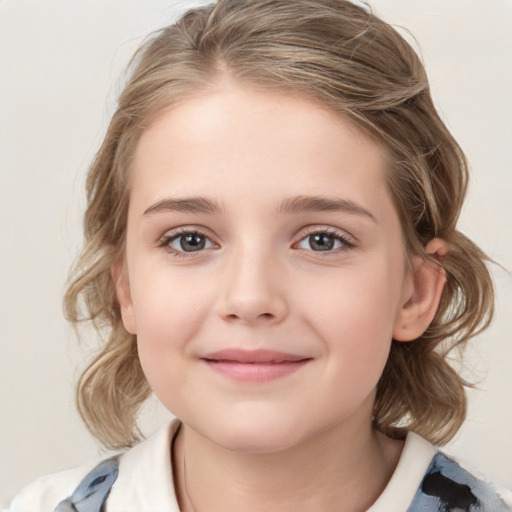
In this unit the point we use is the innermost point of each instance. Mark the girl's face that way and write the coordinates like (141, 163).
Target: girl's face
(265, 271)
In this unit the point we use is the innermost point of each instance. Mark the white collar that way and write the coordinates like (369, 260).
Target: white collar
(145, 476)
(145, 479)
(417, 454)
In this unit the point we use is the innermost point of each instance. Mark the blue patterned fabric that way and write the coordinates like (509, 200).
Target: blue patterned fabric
(449, 488)
(93, 490)
(446, 487)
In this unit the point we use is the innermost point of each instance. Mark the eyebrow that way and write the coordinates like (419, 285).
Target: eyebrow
(301, 204)
(297, 204)
(187, 205)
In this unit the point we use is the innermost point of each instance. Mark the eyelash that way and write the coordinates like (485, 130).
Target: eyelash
(168, 238)
(330, 232)
(165, 241)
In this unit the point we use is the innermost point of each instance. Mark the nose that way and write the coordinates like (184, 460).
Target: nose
(253, 291)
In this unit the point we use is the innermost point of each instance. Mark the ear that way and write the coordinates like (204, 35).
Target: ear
(119, 273)
(420, 304)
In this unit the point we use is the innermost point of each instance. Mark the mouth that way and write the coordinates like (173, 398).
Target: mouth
(254, 365)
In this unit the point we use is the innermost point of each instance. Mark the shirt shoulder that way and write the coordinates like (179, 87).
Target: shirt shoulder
(448, 486)
(147, 464)
(44, 493)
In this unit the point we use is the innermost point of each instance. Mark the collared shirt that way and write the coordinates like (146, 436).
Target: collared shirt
(140, 480)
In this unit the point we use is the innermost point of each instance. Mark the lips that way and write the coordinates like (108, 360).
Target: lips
(254, 365)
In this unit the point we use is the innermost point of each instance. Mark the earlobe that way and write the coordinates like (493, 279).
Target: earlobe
(421, 305)
(119, 274)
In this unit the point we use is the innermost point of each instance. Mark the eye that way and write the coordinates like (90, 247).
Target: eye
(187, 242)
(322, 241)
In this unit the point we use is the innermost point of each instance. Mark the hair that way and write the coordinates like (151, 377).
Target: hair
(345, 58)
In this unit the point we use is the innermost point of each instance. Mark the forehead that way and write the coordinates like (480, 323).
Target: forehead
(257, 144)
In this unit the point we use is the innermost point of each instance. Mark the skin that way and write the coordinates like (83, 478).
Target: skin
(303, 441)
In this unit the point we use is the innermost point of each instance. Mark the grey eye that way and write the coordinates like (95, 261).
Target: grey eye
(321, 242)
(190, 242)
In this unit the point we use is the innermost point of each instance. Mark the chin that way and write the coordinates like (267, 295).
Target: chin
(255, 444)
(254, 437)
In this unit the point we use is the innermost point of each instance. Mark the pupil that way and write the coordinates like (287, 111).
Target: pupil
(192, 242)
(321, 242)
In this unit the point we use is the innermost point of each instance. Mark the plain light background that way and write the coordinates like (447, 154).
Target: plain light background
(60, 63)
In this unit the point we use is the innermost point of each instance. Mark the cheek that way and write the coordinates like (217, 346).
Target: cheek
(167, 319)
(363, 300)
(167, 303)
(355, 319)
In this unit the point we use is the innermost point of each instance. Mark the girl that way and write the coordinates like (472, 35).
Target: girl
(271, 243)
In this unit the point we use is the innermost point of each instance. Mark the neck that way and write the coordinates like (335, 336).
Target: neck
(340, 469)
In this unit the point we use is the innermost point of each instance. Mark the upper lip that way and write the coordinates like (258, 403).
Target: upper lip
(252, 356)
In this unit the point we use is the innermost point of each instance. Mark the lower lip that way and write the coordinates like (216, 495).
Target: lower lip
(255, 372)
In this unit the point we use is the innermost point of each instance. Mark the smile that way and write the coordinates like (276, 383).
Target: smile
(254, 365)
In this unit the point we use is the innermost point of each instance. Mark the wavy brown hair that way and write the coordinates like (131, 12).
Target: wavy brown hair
(347, 59)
